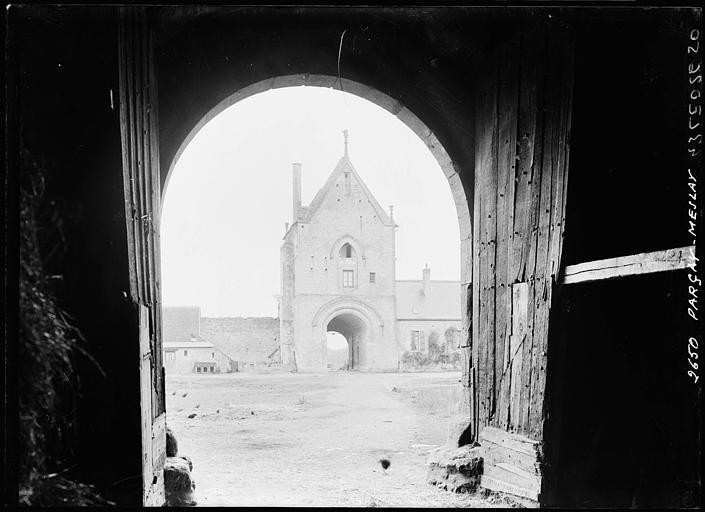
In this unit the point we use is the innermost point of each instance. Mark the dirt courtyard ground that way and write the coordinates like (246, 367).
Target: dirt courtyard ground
(286, 439)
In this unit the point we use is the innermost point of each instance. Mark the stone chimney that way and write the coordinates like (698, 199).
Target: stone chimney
(426, 280)
(297, 191)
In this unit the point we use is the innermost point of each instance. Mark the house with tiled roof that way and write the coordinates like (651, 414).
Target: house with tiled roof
(185, 349)
(428, 312)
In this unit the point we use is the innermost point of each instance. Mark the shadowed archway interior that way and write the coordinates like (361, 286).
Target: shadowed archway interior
(356, 333)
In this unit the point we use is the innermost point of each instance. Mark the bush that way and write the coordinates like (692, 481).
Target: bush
(415, 359)
(434, 349)
(47, 344)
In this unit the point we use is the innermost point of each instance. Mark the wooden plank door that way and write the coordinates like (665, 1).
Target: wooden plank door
(523, 108)
(153, 429)
(138, 128)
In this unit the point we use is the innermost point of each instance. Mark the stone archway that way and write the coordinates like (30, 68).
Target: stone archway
(355, 330)
(463, 203)
(369, 343)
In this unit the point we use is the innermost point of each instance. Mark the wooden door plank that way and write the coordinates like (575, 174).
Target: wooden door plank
(491, 245)
(526, 137)
(495, 483)
(508, 474)
(534, 82)
(549, 176)
(506, 163)
(559, 203)
(636, 264)
(486, 115)
(516, 442)
(520, 310)
(475, 333)
(479, 391)
(494, 453)
(139, 134)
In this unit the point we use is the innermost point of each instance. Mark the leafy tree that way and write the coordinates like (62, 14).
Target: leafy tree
(451, 336)
(434, 349)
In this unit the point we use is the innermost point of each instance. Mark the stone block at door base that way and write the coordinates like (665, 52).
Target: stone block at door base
(178, 483)
(455, 469)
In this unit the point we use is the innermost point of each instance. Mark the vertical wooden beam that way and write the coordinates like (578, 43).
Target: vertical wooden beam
(490, 300)
(138, 125)
(475, 311)
(506, 161)
(126, 94)
(484, 217)
(560, 70)
(523, 118)
(532, 72)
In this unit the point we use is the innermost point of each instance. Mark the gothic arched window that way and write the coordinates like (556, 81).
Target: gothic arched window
(347, 266)
(347, 251)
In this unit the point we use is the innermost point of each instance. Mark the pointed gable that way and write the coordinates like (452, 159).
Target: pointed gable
(345, 165)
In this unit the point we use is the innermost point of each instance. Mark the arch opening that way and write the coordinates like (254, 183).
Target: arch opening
(463, 204)
(352, 265)
(356, 333)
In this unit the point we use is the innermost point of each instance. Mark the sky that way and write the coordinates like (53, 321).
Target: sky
(230, 194)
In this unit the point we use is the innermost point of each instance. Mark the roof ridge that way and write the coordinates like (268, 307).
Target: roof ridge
(343, 163)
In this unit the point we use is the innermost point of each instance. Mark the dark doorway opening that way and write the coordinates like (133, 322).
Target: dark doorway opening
(629, 413)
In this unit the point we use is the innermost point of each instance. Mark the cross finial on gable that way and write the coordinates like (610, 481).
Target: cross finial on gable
(345, 137)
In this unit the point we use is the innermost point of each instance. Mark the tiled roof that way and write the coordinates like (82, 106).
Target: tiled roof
(188, 344)
(442, 300)
(179, 324)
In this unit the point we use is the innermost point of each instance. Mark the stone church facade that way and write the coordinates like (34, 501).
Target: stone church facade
(338, 274)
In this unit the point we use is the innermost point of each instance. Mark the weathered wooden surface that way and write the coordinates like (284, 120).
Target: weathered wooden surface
(497, 483)
(138, 123)
(140, 154)
(511, 463)
(522, 111)
(645, 263)
(514, 442)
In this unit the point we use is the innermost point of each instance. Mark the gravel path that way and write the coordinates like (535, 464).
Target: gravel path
(313, 440)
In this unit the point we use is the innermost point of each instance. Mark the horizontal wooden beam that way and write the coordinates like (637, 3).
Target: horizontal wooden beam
(645, 263)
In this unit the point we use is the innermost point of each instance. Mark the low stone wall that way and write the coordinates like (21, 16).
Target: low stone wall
(246, 340)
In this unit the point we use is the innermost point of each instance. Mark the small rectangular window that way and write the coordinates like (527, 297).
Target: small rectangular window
(213, 355)
(418, 340)
(373, 276)
(185, 352)
(348, 278)
(198, 369)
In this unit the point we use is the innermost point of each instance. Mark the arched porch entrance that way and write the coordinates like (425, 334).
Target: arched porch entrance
(356, 332)
(370, 343)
